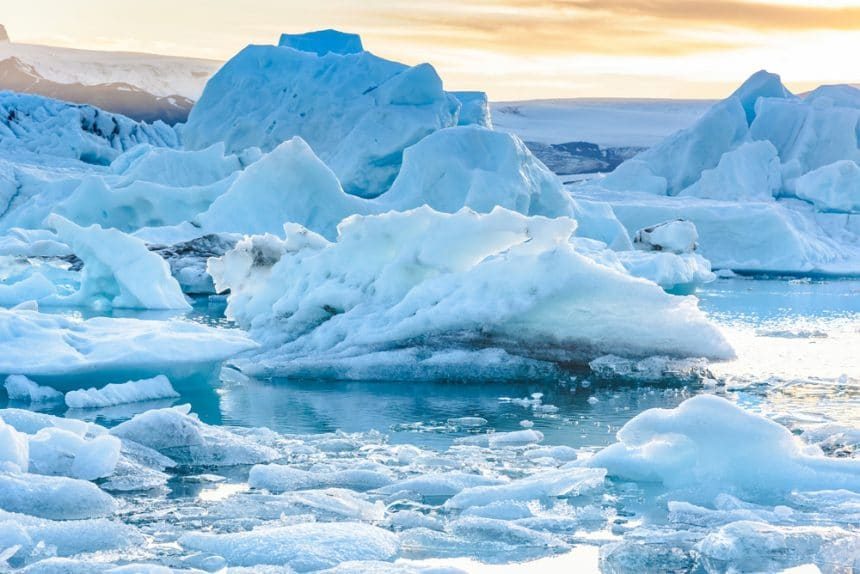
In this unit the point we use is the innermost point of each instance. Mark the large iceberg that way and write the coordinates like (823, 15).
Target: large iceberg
(768, 178)
(426, 282)
(357, 111)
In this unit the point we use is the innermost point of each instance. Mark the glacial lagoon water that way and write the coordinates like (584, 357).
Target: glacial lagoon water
(798, 344)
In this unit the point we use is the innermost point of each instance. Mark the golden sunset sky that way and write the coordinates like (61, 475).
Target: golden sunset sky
(513, 49)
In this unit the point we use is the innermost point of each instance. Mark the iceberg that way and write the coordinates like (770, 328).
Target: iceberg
(434, 282)
(708, 446)
(765, 176)
(117, 394)
(150, 186)
(358, 112)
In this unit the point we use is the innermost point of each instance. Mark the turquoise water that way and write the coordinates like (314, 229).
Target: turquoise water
(818, 320)
(797, 344)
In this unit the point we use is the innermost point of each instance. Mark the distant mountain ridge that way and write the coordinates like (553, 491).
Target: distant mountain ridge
(116, 97)
(144, 87)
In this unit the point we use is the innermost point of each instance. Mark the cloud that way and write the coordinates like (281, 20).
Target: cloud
(612, 27)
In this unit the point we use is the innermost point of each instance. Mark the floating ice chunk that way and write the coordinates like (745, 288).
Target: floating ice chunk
(675, 267)
(181, 436)
(281, 478)
(468, 422)
(676, 236)
(708, 445)
(680, 274)
(358, 112)
(504, 439)
(55, 451)
(322, 42)
(303, 547)
(32, 422)
(20, 388)
(118, 270)
(32, 243)
(441, 484)
(757, 546)
(69, 348)
(745, 236)
(558, 452)
(35, 287)
(833, 187)
(54, 497)
(289, 184)
(421, 279)
(478, 528)
(65, 538)
(116, 394)
(540, 486)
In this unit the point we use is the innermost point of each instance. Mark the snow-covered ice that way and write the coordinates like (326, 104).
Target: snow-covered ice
(318, 307)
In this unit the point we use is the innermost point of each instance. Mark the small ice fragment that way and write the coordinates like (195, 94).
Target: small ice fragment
(20, 388)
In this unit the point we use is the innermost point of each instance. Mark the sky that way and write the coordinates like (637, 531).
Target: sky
(513, 49)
